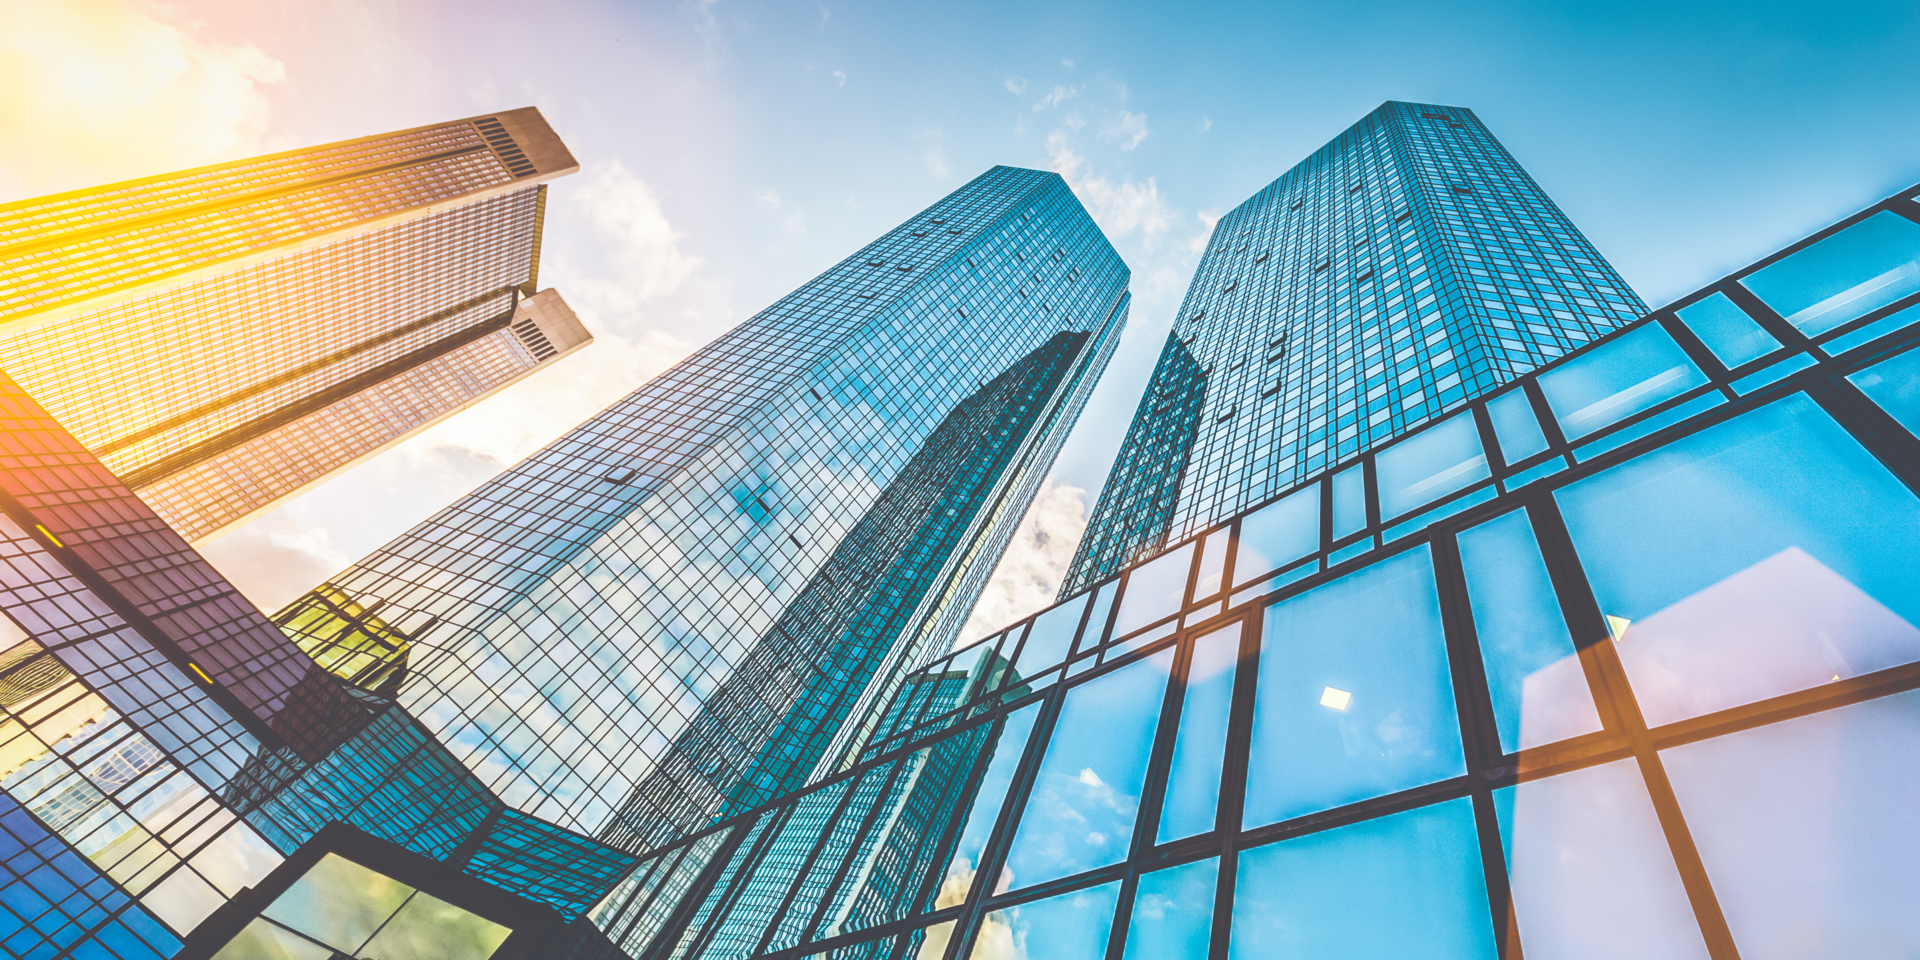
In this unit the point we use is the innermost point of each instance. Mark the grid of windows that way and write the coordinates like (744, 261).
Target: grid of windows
(1406, 265)
(1639, 680)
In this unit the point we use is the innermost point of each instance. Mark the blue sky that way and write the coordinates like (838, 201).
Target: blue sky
(731, 150)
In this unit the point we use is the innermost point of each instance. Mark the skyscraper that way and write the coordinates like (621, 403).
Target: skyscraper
(222, 338)
(665, 615)
(1405, 266)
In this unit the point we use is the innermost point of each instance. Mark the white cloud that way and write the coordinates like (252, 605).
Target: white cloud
(273, 560)
(1016, 85)
(1068, 63)
(1120, 208)
(1206, 123)
(1029, 573)
(1058, 95)
(1197, 243)
(935, 156)
(117, 89)
(1131, 129)
(840, 77)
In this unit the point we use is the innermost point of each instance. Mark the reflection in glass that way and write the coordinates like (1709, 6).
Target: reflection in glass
(1173, 913)
(1213, 563)
(1349, 501)
(1762, 556)
(1200, 747)
(1860, 269)
(1727, 330)
(1540, 694)
(1807, 829)
(1429, 465)
(986, 806)
(1408, 885)
(339, 902)
(1375, 636)
(1051, 636)
(1095, 631)
(1516, 427)
(1071, 926)
(1087, 791)
(1636, 371)
(1278, 533)
(263, 940)
(1591, 874)
(429, 928)
(1154, 590)
(1894, 384)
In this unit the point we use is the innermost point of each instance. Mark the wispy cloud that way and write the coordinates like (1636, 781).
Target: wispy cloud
(1016, 85)
(840, 77)
(1131, 129)
(1123, 207)
(1058, 95)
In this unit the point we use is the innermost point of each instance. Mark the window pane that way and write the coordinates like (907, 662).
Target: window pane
(1631, 374)
(1173, 913)
(1097, 620)
(1894, 384)
(1087, 791)
(1765, 555)
(261, 940)
(1807, 829)
(1860, 269)
(1433, 463)
(1072, 926)
(339, 902)
(1278, 533)
(986, 805)
(1200, 747)
(1408, 885)
(1354, 699)
(1349, 501)
(1051, 636)
(1154, 590)
(1213, 562)
(1592, 877)
(1727, 330)
(1516, 426)
(1539, 692)
(429, 928)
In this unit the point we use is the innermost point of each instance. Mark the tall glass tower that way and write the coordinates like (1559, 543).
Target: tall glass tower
(666, 615)
(1405, 266)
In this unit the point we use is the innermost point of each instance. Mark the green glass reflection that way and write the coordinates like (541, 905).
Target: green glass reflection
(1173, 913)
(339, 902)
(429, 928)
(263, 940)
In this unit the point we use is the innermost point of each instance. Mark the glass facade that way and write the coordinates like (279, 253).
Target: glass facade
(222, 338)
(692, 602)
(1405, 266)
(1620, 658)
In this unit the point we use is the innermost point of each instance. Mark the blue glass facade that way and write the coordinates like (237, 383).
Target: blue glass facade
(1405, 266)
(1621, 658)
(665, 615)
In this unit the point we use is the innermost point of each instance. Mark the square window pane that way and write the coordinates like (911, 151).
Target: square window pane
(1408, 885)
(1637, 371)
(1278, 534)
(1354, 698)
(1173, 913)
(1807, 829)
(1200, 746)
(1591, 874)
(1894, 384)
(1762, 556)
(1071, 926)
(1051, 636)
(1858, 270)
(1539, 690)
(1516, 426)
(1155, 589)
(1429, 465)
(1727, 330)
(1087, 791)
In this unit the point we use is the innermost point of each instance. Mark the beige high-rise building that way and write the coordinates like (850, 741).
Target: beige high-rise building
(226, 337)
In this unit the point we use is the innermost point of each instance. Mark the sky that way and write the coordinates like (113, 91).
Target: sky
(731, 150)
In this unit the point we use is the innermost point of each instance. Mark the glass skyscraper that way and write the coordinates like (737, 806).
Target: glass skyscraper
(1405, 266)
(667, 615)
(225, 337)
(1620, 658)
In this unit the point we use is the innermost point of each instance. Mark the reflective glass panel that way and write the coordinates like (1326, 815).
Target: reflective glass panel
(1540, 693)
(1200, 746)
(1354, 698)
(1213, 562)
(1071, 926)
(429, 928)
(263, 940)
(1429, 465)
(1808, 832)
(1173, 913)
(339, 902)
(1894, 384)
(1087, 791)
(1278, 534)
(1051, 635)
(1516, 426)
(1408, 885)
(992, 792)
(1860, 269)
(1349, 501)
(1765, 555)
(1590, 871)
(1634, 372)
(1727, 330)
(1154, 590)
(1094, 632)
